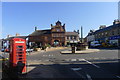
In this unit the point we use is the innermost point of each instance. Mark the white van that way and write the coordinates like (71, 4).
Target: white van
(94, 44)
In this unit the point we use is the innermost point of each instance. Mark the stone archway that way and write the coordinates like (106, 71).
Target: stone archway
(56, 43)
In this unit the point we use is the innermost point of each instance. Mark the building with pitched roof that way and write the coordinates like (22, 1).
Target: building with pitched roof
(110, 34)
(56, 36)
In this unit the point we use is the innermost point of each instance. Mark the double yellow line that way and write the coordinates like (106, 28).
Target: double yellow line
(4, 59)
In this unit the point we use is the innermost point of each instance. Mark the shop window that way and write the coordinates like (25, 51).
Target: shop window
(71, 37)
(75, 37)
(67, 37)
(118, 31)
(112, 32)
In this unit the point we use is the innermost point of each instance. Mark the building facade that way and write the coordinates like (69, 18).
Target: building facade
(110, 34)
(119, 10)
(90, 37)
(71, 37)
(56, 36)
(0, 44)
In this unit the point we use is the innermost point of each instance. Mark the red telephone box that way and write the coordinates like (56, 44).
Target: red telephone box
(18, 53)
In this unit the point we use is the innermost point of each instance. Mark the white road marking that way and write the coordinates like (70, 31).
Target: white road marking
(47, 60)
(118, 76)
(76, 69)
(80, 59)
(89, 77)
(67, 59)
(48, 55)
(91, 63)
(73, 59)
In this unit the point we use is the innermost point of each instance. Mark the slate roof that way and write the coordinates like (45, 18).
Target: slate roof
(41, 32)
(108, 28)
(48, 31)
(71, 33)
(24, 37)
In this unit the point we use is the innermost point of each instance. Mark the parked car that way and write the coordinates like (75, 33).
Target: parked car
(2, 50)
(5, 50)
(29, 50)
(95, 44)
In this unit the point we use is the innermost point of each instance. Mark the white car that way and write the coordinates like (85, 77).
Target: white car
(95, 44)
(29, 50)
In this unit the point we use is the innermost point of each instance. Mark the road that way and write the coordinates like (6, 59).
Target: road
(87, 66)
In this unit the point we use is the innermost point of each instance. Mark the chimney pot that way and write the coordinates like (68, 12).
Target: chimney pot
(35, 28)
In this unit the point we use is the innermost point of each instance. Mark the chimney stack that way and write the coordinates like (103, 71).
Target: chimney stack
(35, 28)
(102, 26)
(8, 36)
(17, 34)
(117, 21)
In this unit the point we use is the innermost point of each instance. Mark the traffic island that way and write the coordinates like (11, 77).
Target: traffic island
(80, 52)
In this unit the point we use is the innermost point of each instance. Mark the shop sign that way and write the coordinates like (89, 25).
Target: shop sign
(114, 37)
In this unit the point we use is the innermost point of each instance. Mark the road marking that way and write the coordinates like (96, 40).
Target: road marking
(91, 63)
(89, 77)
(47, 60)
(80, 59)
(73, 59)
(67, 59)
(76, 69)
(118, 76)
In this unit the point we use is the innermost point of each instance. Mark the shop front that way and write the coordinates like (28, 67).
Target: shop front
(114, 40)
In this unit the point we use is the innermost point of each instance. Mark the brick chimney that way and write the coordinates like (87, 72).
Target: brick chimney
(117, 21)
(8, 36)
(35, 28)
(102, 26)
(17, 34)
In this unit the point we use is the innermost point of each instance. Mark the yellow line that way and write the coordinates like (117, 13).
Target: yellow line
(4, 59)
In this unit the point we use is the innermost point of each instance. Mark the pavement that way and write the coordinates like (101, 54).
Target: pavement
(47, 50)
(82, 51)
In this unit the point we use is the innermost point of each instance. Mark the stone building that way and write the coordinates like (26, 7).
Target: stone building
(0, 44)
(71, 37)
(56, 36)
(90, 37)
(110, 34)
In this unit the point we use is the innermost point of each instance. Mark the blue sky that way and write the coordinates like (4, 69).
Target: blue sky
(22, 17)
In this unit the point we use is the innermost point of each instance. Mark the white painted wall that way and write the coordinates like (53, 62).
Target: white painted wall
(91, 38)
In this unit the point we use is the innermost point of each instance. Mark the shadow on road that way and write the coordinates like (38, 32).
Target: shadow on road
(109, 69)
(104, 48)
